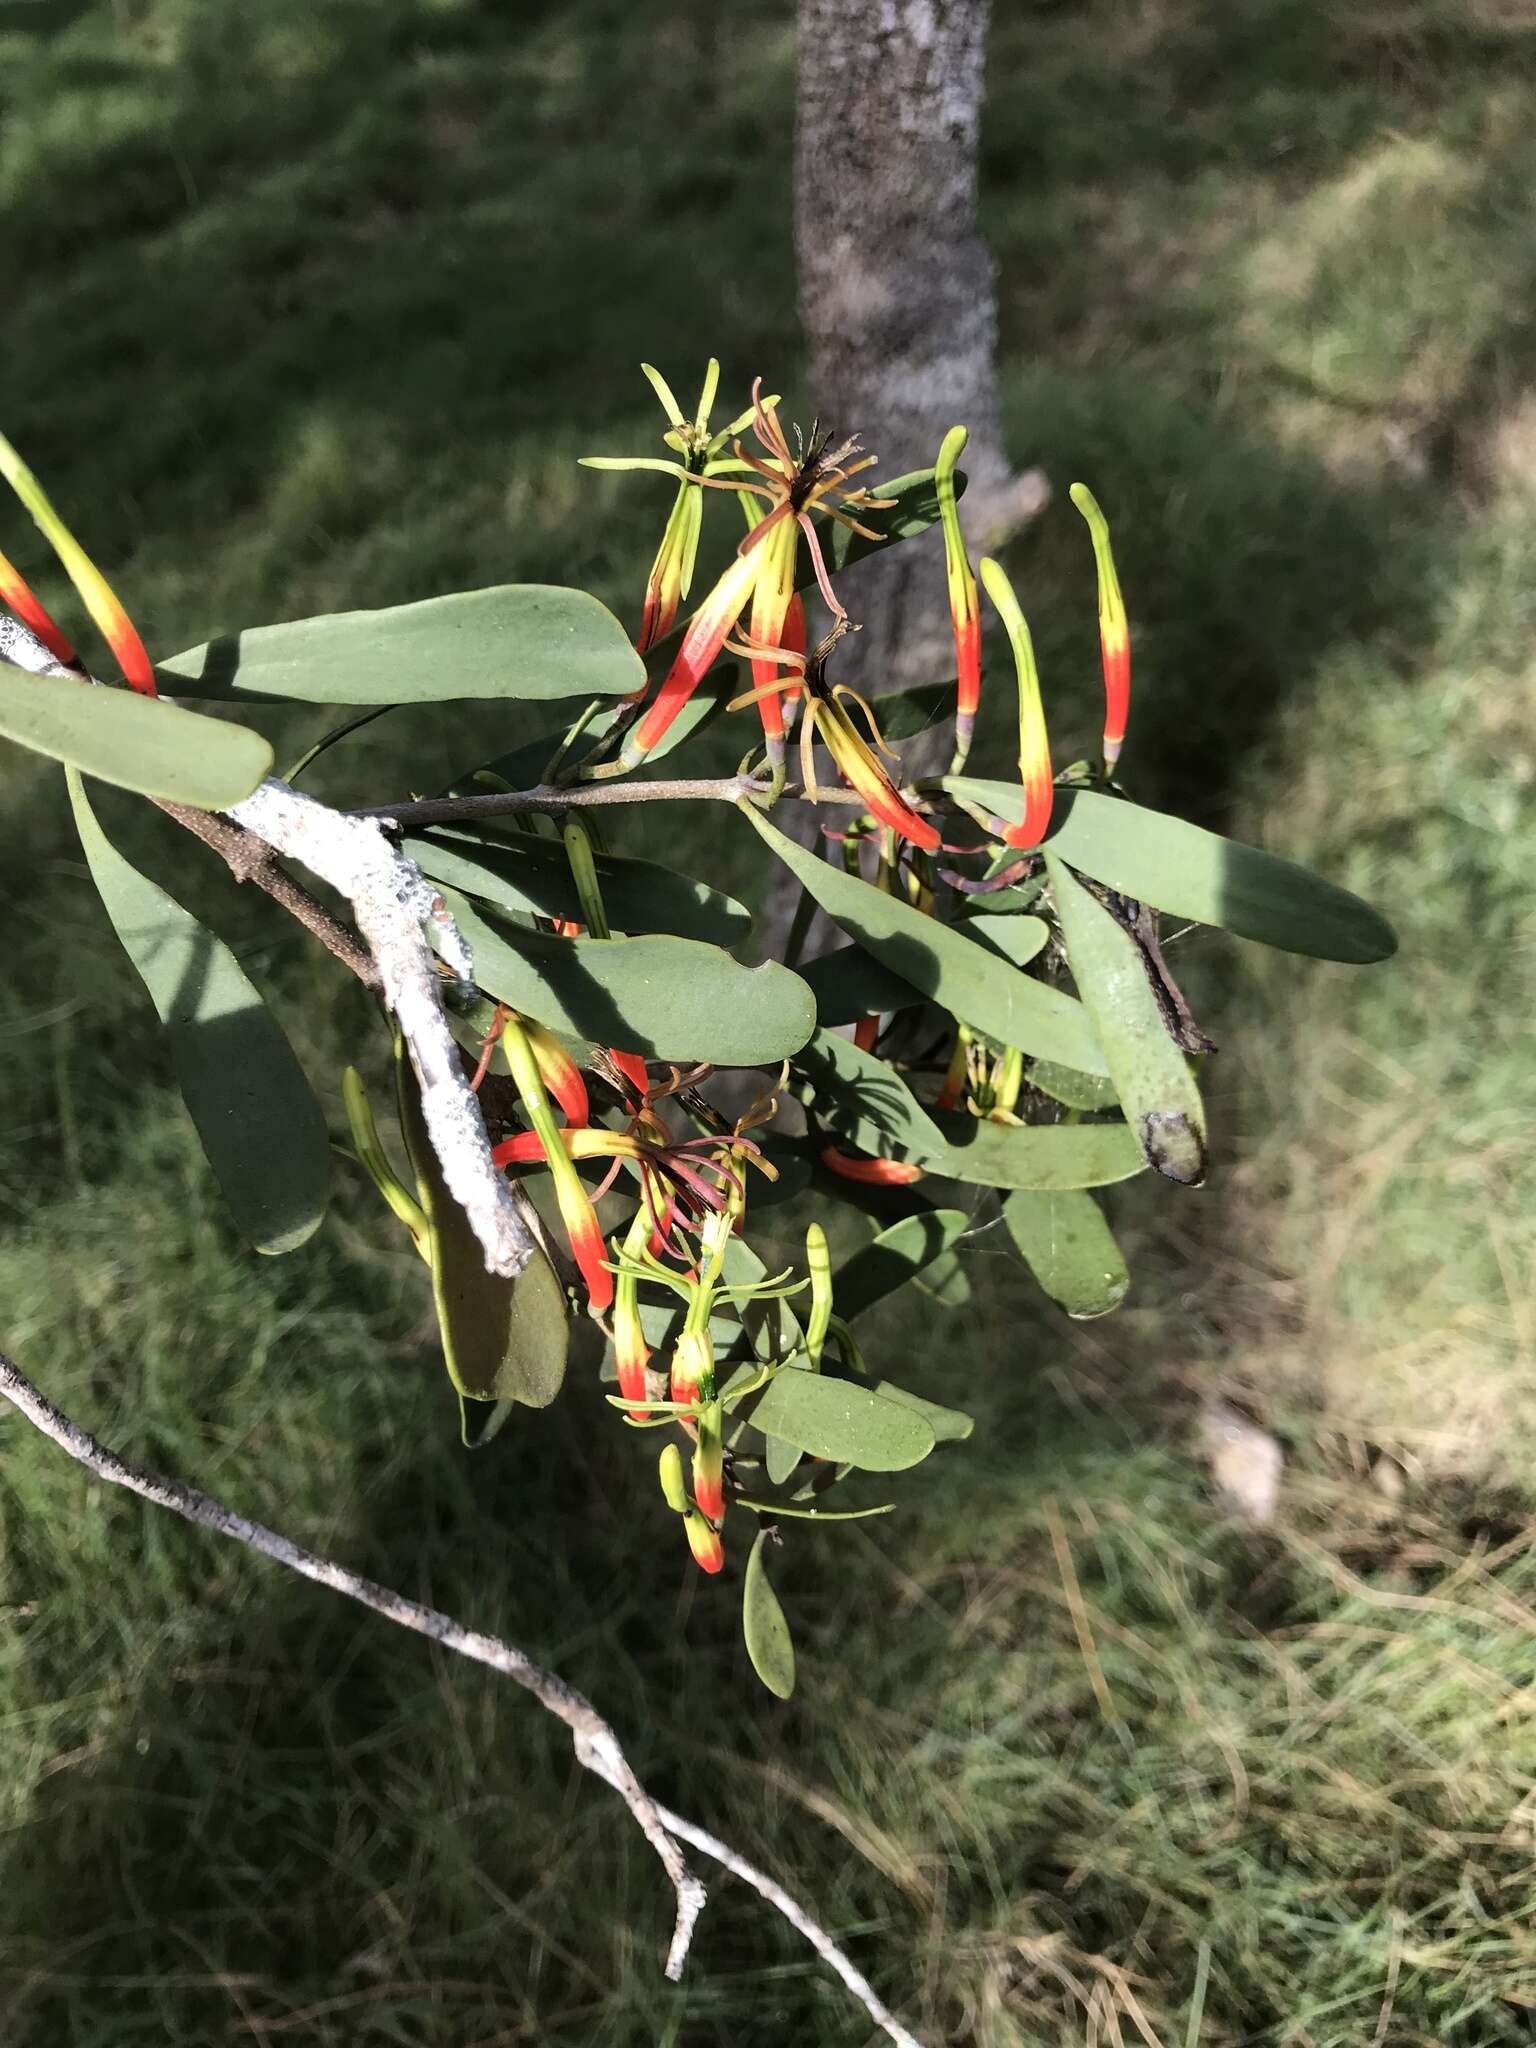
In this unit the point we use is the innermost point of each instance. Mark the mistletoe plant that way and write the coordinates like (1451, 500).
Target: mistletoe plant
(999, 1032)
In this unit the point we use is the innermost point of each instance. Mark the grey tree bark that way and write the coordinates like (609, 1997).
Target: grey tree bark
(897, 292)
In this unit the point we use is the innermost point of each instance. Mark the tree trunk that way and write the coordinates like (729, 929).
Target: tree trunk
(896, 285)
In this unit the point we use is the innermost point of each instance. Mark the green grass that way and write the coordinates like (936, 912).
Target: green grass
(316, 306)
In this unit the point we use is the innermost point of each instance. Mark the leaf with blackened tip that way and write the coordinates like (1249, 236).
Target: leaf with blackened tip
(1151, 1073)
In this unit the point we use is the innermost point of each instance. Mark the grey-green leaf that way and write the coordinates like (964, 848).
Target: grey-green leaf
(851, 1083)
(1151, 1074)
(1188, 872)
(134, 741)
(836, 1419)
(769, 1643)
(503, 1340)
(1020, 1155)
(949, 1425)
(520, 873)
(255, 1112)
(1068, 1247)
(896, 1256)
(664, 998)
(1066, 1085)
(940, 962)
(1016, 939)
(519, 640)
(914, 507)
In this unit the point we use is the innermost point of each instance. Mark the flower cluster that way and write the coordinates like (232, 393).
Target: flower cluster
(754, 610)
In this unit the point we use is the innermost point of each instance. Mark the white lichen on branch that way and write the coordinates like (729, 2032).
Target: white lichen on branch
(393, 904)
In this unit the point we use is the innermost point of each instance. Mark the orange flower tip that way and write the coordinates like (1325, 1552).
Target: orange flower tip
(710, 1496)
(865, 1032)
(889, 1173)
(704, 1542)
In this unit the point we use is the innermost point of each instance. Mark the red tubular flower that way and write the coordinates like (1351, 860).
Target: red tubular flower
(576, 1210)
(25, 603)
(702, 642)
(859, 766)
(562, 1076)
(589, 1142)
(1034, 745)
(865, 1032)
(882, 1173)
(709, 1462)
(818, 480)
(631, 1352)
(1114, 632)
(777, 626)
(964, 608)
(704, 1542)
(114, 624)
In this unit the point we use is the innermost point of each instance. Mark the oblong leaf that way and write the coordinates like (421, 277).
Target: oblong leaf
(522, 640)
(942, 963)
(134, 741)
(949, 1425)
(1067, 1086)
(664, 998)
(1019, 1155)
(836, 1419)
(503, 1339)
(1151, 1074)
(1069, 1248)
(896, 1256)
(1015, 939)
(1188, 872)
(255, 1112)
(769, 1643)
(865, 1089)
(849, 983)
(521, 873)
(914, 507)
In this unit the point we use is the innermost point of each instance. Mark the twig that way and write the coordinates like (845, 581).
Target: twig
(596, 1746)
(249, 860)
(554, 799)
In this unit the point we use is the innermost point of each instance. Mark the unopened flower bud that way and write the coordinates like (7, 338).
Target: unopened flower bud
(671, 1477)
